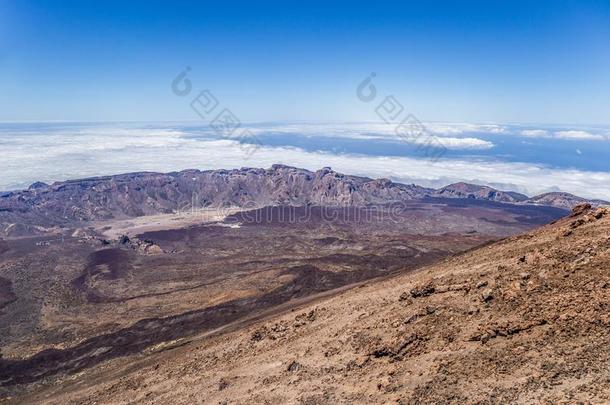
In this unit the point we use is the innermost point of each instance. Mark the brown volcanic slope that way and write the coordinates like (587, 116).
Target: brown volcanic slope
(68, 304)
(523, 320)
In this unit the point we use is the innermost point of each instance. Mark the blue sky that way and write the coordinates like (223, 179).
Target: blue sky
(471, 61)
(517, 92)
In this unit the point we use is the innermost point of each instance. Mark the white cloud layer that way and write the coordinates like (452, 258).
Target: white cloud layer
(535, 133)
(101, 151)
(567, 135)
(461, 128)
(578, 135)
(449, 132)
(379, 131)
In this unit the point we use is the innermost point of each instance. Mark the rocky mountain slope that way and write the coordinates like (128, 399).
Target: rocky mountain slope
(524, 320)
(465, 190)
(563, 200)
(138, 194)
(45, 206)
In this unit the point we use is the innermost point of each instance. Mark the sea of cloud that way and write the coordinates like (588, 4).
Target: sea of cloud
(53, 153)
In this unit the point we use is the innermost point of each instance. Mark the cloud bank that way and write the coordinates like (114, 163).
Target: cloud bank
(61, 155)
(569, 135)
(377, 131)
(578, 135)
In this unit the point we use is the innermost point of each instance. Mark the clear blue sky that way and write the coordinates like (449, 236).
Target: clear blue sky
(507, 61)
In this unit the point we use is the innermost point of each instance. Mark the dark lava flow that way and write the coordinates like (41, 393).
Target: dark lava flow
(307, 280)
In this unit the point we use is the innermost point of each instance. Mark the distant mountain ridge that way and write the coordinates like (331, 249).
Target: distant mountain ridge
(138, 194)
(554, 199)
(563, 200)
(466, 190)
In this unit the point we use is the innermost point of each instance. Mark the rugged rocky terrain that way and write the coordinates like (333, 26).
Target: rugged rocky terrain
(71, 302)
(138, 194)
(465, 190)
(563, 200)
(44, 209)
(101, 277)
(523, 320)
